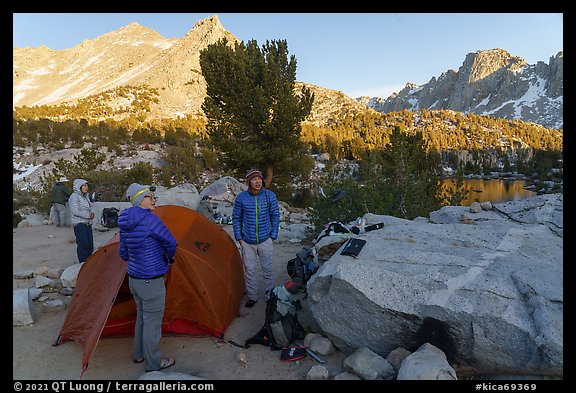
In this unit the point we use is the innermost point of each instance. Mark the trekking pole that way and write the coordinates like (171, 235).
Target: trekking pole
(314, 356)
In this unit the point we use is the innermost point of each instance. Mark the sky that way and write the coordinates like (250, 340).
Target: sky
(360, 54)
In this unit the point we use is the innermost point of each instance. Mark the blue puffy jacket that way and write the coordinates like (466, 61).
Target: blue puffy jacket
(256, 218)
(145, 242)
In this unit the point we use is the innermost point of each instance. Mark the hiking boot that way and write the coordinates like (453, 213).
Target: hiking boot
(250, 303)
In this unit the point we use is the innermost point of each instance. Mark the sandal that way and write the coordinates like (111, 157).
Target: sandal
(167, 362)
(250, 303)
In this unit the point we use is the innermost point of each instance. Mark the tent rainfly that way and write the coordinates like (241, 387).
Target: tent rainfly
(204, 286)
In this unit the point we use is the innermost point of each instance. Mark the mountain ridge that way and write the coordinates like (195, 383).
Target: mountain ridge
(139, 56)
(489, 82)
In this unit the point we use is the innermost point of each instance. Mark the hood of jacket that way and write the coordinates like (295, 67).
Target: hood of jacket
(77, 184)
(131, 217)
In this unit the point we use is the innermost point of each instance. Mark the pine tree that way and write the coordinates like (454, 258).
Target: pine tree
(411, 174)
(253, 112)
(455, 192)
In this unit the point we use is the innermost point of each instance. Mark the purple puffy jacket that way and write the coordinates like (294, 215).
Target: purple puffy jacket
(145, 243)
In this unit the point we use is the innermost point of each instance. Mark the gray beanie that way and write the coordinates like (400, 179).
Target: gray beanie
(136, 192)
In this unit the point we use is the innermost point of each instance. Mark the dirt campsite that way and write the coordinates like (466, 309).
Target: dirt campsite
(36, 358)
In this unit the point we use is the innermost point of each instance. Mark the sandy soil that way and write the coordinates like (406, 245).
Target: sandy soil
(34, 357)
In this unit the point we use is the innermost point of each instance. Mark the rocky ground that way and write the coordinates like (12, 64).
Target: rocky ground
(34, 357)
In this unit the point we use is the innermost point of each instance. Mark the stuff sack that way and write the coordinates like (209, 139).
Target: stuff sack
(109, 217)
(301, 268)
(353, 247)
(281, 326)
(293, 353)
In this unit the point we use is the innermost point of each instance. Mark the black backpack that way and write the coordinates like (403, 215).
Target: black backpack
(109, 217)
(300, 269)
(281, 326)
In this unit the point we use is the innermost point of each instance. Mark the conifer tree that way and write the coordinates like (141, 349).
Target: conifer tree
(403, 178)
(412, 175)
(253, 112)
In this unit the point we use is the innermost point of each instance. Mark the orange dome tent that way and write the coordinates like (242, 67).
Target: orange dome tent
(204, 286)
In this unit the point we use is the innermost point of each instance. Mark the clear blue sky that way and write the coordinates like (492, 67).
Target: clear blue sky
(371, 54)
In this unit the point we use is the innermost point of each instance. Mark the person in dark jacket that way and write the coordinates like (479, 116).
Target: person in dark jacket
(149, 248)
(59, 196)
(256, 220)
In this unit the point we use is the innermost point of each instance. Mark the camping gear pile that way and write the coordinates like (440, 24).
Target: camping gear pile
(281, 326)
(300, 269)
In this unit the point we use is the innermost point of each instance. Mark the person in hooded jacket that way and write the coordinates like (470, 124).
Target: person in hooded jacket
(256, 221)
(82, 215)
(149, 247)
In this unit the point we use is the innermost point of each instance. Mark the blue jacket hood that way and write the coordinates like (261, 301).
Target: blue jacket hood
(145, 242)
(129, 218)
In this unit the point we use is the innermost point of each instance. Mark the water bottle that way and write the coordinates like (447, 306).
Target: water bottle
(218, 218)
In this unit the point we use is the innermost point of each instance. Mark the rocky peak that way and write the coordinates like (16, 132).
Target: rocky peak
(132, 55)
(555, 76)
(410, 86)
(208, 24)
(329, 104)
(131, 34)
(484, 63)
(132, 27)
(490, 82)
(208, 29)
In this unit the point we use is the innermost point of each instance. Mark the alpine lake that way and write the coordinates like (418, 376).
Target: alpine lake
(480, 190)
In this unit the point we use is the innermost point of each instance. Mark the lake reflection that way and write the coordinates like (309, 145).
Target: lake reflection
(494, 191)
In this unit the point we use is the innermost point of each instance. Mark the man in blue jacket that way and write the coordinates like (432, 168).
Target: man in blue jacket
(149, 248)
(256, 220)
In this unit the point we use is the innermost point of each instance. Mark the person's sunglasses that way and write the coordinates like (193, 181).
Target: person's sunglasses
(151, 196)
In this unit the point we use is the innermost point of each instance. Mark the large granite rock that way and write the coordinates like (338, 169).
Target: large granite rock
(487, 292)
(181, 195)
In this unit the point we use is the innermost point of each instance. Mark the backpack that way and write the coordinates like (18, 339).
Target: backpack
(281, 326)
(109, 217)
(301, 268)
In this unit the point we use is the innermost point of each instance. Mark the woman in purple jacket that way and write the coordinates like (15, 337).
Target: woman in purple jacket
(149, 248)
